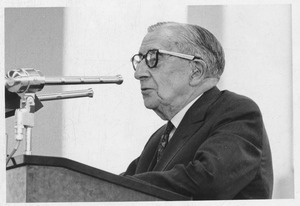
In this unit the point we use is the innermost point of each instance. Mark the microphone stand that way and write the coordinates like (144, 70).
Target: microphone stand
(27, 81)
(24, 116)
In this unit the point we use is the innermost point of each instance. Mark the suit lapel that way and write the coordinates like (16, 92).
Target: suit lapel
(190, 124)
(148, 156)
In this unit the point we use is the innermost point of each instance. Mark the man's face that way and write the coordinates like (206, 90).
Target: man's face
(165, 86)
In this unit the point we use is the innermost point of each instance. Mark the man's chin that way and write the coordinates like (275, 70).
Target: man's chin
(155, 107)
(150, 105)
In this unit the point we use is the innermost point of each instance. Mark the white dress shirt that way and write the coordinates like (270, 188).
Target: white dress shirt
(179, 116)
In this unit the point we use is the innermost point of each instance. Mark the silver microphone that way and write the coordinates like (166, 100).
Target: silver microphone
(31, 80)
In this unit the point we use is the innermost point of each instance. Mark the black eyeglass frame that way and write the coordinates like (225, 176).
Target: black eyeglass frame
(161, 51)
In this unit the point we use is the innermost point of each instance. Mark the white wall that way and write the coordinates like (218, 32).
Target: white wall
(109, 130)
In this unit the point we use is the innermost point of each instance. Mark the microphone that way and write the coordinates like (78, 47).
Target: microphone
(26, 82)
(29, 80)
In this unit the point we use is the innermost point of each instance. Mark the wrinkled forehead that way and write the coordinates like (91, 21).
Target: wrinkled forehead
(158, 39)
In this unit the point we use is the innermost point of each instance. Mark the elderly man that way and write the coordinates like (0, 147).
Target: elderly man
(214, 145)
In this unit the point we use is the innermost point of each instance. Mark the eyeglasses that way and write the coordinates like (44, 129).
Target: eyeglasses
(151, 57)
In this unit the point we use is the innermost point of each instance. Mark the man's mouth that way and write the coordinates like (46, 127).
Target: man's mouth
(146, 90)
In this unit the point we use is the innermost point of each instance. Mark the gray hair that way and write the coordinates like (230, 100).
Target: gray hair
(195, 40)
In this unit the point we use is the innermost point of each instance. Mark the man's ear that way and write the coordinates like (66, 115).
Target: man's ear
(197, 73)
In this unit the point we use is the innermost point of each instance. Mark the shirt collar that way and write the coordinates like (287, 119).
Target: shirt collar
(179, 116)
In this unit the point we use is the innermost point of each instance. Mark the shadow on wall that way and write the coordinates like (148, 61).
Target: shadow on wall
(34, 39)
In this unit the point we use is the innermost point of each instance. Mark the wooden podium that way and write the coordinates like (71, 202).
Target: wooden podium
(56, 179)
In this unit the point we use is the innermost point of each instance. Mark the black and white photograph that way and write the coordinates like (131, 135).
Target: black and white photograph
(150, 102)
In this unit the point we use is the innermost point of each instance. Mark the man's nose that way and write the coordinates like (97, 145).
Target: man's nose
(142, 71)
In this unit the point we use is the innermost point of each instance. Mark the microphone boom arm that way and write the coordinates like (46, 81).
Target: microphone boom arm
(66, 95)
(28, 80)
(84, 80)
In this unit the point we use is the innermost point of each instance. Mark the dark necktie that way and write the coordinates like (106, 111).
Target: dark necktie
(164, 140)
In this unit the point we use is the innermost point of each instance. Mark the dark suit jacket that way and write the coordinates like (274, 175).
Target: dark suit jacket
(220, 150)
